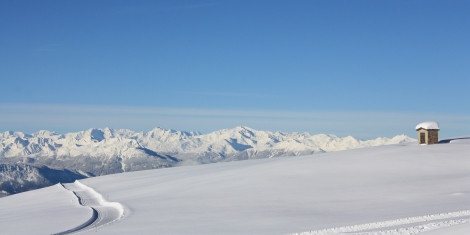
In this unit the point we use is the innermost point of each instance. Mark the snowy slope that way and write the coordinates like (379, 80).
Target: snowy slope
(405, 188)
(44, 211)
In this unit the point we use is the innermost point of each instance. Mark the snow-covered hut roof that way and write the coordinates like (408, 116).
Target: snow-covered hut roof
(428, 126)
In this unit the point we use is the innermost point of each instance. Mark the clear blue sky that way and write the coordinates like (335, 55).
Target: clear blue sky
(365, 68)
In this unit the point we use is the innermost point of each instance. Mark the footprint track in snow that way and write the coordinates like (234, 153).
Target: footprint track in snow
(103, 212)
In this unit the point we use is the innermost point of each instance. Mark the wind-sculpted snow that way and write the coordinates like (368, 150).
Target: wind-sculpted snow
(103, 212)
(410, 225)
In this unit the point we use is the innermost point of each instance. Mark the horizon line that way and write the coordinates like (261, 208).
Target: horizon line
(358, 123)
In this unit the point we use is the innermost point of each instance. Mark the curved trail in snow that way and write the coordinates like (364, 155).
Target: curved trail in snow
(103, 212)
(409, 225)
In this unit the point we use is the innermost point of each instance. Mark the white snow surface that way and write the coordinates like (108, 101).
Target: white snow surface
(43, 211)
(431, 125)
(394, 189)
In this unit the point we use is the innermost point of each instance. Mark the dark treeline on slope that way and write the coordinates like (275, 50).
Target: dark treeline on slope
(21, 177)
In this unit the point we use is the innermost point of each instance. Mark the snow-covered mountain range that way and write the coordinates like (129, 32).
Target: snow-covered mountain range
(127, 144)
(104, 151)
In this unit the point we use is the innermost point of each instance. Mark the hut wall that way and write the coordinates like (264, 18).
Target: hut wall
(428, 136)
(432, 137)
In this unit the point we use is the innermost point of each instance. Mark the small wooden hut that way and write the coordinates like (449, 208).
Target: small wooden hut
(428, 133)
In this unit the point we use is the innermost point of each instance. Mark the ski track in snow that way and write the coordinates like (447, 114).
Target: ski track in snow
(410, 225)
(103, 212)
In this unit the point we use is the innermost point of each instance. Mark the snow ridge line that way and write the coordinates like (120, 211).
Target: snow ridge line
(409, 225)
(103, 212)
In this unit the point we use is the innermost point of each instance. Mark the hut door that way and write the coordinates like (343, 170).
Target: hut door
(422, 138)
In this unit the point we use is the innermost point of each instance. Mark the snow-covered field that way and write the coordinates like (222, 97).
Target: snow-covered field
(405, 188)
